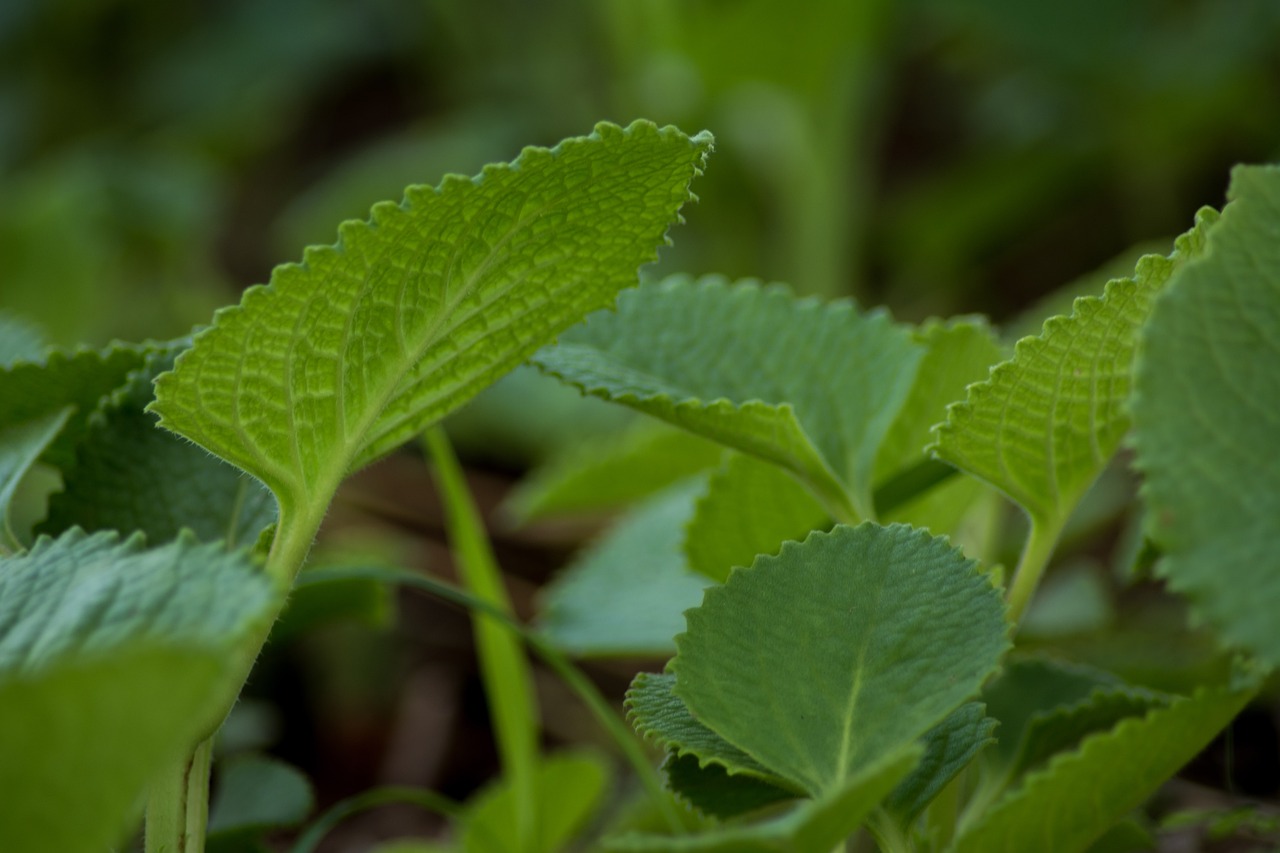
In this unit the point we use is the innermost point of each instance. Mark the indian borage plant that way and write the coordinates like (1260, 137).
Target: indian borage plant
(118, 661)
(853, 678)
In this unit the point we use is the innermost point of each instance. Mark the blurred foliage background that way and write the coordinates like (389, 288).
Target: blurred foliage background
(937, 157)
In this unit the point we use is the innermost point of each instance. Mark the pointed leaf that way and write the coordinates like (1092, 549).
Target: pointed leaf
(1080, 794)
(825, 658)
(948, 749)
(627, 592)
(347, 355)
(813, 825)
(1208, 416)
(811, 387)
(130, 476)
(612, 472)
(1045, 424)
(750, 507)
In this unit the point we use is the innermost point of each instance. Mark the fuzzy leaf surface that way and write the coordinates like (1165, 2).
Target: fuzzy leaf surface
(626, 593)
(130, 476)
(1046, 422)
(1207, 416)
(822, 660)
(716, 792)
(813, 825)
(750, 507)
(611, 472)
(948, 749)
(1074, 799)
(342, 358)
(808, 386)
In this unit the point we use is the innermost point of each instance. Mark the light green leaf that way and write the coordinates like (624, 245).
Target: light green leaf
(610, 472)
(714, 791)
(1207, 411)
(812, 826)
(662, 717)
(827, 657)
(571, 787)
(627, 592)
(811, 387)
(364, 344)
(20, 339)
(129, 476)
(1045, 424)
(113, 659)
(82, 737)
(750, 507)
(1079, 795)
(257, 793)
(948, 749)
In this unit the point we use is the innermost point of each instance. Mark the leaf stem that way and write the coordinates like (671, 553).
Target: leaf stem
(504, 668)
(1037, 551)
(178, 806)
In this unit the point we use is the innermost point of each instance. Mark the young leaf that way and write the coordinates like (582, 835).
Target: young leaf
(813, 825)
(1207, 417)
(827, 657)
(948, 749)
(626, 593)
(112, 660)
(1074, 799)
(1045, 424)
(750, 507)
(612, 472)
(129, 476)
(347, 355)
(811, 387)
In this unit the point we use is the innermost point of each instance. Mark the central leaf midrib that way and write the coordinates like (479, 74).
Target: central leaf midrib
(846, 734)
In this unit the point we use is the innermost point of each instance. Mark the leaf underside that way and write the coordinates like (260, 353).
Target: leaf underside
(1207, 420)
(347, 355)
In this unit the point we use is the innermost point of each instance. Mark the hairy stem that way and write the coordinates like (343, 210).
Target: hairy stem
(178, 806)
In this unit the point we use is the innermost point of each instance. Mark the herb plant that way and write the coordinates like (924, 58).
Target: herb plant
(850, 672)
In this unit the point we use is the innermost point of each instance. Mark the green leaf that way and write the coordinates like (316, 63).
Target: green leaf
(20, 446)
(256, 793)
(571, 787)
(20, 339)
(813, 825)
(948, 749)
(611, 472)
(1207, 411)
(712, 790)
(750, 507)
(83, 736)
(113, 659)
(1046, 422)
(364, 344)
(1079, 795)
(130, 476)
(662, 717)
(811, 387)
(627, 592)
(859, 641)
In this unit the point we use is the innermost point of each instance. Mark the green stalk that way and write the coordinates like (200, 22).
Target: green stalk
(178, 806)
(1035, 558)
(503, 667)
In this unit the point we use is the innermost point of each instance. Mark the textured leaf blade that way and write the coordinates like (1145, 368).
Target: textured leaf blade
(1080, 794)
(625, 595)
(713, 791)
(811, 387)
(1207, 414)
(813, 825)
(859, 641)
(1046, 422)
(750, 507)
(948, 749)
(347, 355)
(129, 476)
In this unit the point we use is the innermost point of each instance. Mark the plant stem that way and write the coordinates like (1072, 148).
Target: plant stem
(1035, 558)
(504, 668)
(178, 806)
